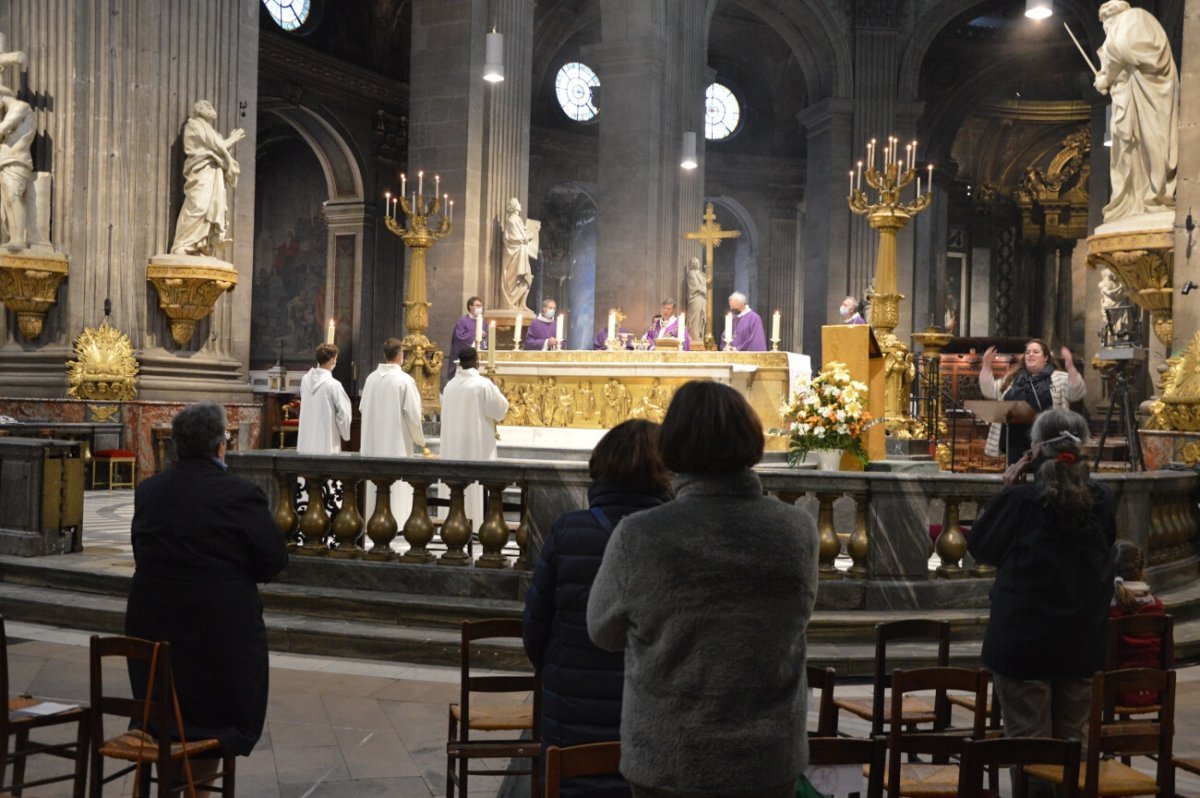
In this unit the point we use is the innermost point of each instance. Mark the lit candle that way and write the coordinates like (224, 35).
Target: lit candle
(907, 155)
(728, 328)
(395, 207)
(414, 204)
(517, 330)
(871, 153)
(387, 203)
(612, 325)
(445, 205)
(403, 183)
(330, 332)
(775, 326)
(492, 346)
(420, 184)
(913, 165)
(918, 186)
(681, 326)
(858, 177)
(851, 181)
(451, 210)
(558, 330)
(929, 187)
(437, 185)
(478, 330)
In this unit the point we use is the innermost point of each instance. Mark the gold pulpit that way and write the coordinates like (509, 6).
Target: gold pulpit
(855, 345)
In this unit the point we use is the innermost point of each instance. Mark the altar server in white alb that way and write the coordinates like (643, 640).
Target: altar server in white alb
(324, 407)
(391, 423)
(472, 406)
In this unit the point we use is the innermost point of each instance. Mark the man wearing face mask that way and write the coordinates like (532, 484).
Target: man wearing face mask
(464, 332)
(541, 333)
(849, 311)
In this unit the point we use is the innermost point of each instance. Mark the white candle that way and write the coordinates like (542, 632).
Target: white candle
(492, 345)
(437, 185)
(681, 326)
(446, 205)
(330, 332)
(728, 328)
(403, 183)
(387, 203)
(914, 155)
(871, 153)
(414, 204)
(421, 184)
(558, 330)
(517, 330)
(612, 325)
(395, 207)
(851, 181)
(775, 326)
(451, 209)
(930, 186)
(907, 155)
(858, 177)
(918, 186)
(478, 330)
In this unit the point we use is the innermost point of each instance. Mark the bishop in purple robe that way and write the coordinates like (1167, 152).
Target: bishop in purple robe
(748, 334)
(668, 327)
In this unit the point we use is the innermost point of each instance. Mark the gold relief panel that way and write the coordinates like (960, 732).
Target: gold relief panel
(584, 402)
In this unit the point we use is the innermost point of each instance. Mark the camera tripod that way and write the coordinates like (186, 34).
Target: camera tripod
(1122, 395)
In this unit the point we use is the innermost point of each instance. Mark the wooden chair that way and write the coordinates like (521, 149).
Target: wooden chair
(466, 717)
(1018, 752)
(1161, 627)
(916, 711)
(1190, 764)
(18, 726)
(1110, 736)
(154, 746)
(114, 459)
(593, 759)
(940, 779)
(822, 680)
(870, 753)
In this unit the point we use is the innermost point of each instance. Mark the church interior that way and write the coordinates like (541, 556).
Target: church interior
(212, 190)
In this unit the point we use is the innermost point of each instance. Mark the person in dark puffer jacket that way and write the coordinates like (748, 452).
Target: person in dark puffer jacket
(581, 684)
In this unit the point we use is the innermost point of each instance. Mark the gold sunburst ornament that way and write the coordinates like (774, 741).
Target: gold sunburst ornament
(105, 368)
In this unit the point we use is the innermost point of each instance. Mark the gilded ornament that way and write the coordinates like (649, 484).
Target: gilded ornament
(187, 293)
(1143, 262)
(29, 287)
(105, 368)
(1178, 407)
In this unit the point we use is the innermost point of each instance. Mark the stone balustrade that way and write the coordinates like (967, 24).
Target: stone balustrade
(876, 547)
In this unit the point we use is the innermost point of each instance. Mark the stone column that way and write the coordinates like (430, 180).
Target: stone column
(930, 232)
(1186, 309)
(827, 218)
(350, 226)
(112, 82)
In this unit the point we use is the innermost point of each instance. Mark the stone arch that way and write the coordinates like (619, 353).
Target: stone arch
(745, 247)
(343, 172)
(816, 40)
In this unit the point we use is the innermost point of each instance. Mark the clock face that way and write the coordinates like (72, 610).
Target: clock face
(574, 89)
(288, 14)
(722, 112)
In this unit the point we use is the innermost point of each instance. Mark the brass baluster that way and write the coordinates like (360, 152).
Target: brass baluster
(418, 529)
(348, 524)
(859, 545)
(493, 532)
(456, 529)
(285, 510)
(382, 526)
(829, 547)
(521, 536)
(315, 521)
(951, 545)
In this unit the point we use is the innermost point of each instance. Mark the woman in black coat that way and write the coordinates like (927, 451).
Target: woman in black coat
(202, 539)
(581, 684)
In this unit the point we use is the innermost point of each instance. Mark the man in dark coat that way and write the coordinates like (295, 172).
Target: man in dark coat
(202, 538)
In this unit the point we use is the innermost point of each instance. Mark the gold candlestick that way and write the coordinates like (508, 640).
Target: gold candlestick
(422, 358)
(890, 214)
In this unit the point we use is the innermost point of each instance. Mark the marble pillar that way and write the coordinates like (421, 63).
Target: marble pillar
(111, 84)
(1186, 309)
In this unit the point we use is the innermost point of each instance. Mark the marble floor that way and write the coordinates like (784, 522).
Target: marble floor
(346, 727)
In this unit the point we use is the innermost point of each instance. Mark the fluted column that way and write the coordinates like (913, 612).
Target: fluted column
(1185, 310)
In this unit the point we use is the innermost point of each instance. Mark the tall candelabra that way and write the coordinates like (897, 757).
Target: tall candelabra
(888, 214)
(419, 231)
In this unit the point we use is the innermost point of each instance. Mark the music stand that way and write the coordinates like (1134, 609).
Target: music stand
(1004, 411)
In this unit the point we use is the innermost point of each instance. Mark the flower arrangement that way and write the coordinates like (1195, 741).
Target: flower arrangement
(826, 412)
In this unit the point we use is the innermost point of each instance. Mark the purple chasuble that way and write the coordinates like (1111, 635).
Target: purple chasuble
(748, 335)
(539, 330)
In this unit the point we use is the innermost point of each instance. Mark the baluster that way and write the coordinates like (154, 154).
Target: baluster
(382, 526)
(523, 562)
(348, 523)
(859, 545)
(828, 546)
(951, 545)
(456, 529)
(493, 532)
(315, 521)
(285, 510)
(418, 529)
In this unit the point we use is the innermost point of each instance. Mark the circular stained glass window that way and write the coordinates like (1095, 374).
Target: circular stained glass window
(574, 86)
(722, 112)
(288, 14)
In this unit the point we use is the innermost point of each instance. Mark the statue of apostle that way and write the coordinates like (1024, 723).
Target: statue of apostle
(697, 300)
(1138, 71)
(16, 167)
(207, 171)
(520, 244)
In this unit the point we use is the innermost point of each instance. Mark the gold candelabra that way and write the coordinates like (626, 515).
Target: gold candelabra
(889, 214)
(419, 231)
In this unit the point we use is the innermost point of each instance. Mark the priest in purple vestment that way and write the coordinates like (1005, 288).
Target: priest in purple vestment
(748, 334)
(668, 327)
(464, 332)
(540, 335)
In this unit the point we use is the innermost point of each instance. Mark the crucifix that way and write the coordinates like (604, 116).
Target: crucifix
(710, 235)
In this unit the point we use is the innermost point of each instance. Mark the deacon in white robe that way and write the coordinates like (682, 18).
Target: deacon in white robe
(324, 407)
(391, 424)
(472, 406)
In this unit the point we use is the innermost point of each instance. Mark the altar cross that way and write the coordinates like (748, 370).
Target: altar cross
(710, 235)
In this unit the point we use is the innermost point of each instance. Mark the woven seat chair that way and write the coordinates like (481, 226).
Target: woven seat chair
(1018, 752)
(592, 759)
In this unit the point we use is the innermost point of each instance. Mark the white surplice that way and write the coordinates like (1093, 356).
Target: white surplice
(472, 406)
(391, 427)
(324, 413)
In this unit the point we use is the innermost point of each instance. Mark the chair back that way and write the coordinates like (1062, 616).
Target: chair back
(1160, 627)
(593, 759)
(942, 741)
(852, 751)
(822, 680)
(978, 756)
(139, 654)
(492, 629)
(3, 677)
(1110, 735)
(913, 629)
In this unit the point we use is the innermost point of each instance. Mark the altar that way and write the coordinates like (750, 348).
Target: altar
(569, 398)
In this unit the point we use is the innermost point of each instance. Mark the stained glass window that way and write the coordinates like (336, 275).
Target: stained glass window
(721, 112)
(574, 86)
(288, 14)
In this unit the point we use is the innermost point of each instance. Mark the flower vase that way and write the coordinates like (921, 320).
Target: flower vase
(828, 459)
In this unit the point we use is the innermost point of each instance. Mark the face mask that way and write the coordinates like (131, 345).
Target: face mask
(844, 312)
(549, 313)
(476, 312)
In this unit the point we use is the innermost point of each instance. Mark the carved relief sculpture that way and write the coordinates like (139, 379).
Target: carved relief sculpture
(16, 167)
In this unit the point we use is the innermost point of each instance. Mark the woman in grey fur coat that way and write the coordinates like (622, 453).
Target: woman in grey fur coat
(709, 596)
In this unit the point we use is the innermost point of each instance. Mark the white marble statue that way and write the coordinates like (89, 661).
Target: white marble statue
(1113, 296)
(519, 247)
(208, 170)
(1138, 72)
(16, 167)
(697, 300)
